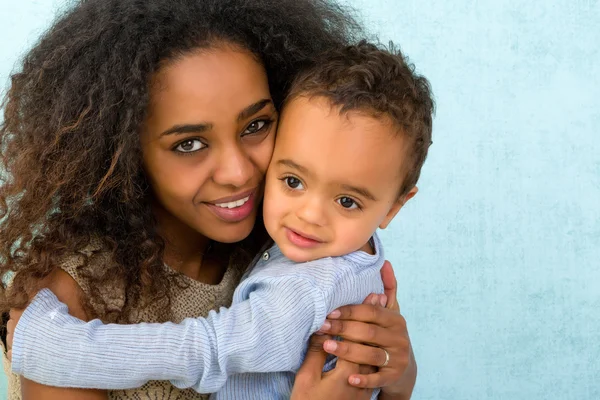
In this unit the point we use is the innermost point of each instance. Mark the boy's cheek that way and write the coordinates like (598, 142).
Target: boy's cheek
(274, 206)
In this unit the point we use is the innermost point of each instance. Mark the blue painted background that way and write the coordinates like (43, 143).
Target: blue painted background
(498, 257)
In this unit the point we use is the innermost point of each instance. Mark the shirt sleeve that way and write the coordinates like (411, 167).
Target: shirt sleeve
(267, 332)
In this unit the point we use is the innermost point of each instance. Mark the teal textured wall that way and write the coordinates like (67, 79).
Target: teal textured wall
(498, 256)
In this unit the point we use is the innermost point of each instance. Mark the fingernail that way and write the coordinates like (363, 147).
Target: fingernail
(374, 300)
(354, 381)
(326, 326)
(330, 345)
(383, 300)
(334, 314)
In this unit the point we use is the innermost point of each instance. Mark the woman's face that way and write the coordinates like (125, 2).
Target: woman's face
(207, 142)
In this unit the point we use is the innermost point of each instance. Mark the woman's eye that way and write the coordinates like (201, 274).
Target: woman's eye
(190, 146)
(293, 183)
(347, 203)
(255, 126)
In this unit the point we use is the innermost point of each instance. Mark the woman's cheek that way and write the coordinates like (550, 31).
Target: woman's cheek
(264, 153)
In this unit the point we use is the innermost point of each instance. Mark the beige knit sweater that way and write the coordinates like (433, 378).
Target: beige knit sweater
(195, 300)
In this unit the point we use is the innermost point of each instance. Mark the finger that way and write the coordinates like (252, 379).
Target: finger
(372, 299)
(362, 332)
(359, 353)
(367, 313)
(364, 369)
(15, 314)
(10, 325)
(346, 368)
(9, 340)
(9, 355)
(10, 329)
(382, 300)
(390, 285)
(372, 381)
(375, 299)
(312, 367)
(342, 371)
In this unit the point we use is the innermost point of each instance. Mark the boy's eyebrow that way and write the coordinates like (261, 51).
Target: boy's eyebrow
(360, 191)
(292, 164)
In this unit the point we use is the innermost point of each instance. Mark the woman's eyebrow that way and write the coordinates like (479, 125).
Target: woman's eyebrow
(206, 126)
(187, 128)
(253, 109)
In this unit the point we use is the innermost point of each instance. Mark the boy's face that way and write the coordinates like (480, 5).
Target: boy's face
(332, 181)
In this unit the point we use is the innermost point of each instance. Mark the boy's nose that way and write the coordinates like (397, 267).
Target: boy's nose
(312, 212)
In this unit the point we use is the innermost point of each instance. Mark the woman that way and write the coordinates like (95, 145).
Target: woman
(136, 139)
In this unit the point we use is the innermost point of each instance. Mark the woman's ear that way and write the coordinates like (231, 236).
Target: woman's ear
(397, 206)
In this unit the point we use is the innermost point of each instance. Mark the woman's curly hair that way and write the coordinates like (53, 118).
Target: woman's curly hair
(71, 167)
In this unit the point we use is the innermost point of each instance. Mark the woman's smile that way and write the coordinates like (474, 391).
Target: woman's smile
(234, 208)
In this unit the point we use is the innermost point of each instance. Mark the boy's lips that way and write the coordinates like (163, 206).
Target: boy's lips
(302, 239)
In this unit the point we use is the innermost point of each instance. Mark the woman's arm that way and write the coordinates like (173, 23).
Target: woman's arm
(67, 291)
(312, 383)
(367, 329)
(35, 391)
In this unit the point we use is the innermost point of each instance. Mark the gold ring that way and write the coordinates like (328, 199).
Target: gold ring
(387, 358)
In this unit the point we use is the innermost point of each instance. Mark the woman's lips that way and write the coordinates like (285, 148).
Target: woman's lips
(234, 208)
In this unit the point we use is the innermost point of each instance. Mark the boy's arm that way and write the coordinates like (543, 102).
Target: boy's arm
(265, 333)
(68, 291)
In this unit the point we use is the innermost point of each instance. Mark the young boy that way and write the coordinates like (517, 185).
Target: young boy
(353, 136)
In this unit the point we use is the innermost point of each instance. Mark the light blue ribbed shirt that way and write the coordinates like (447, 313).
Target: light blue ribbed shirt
(250, 350)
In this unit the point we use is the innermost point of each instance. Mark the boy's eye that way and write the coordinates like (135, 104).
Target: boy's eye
(293, 183)
(347, 203)
(189, 146)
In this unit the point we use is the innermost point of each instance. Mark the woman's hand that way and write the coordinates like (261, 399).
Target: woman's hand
(370, 330)
(10, 330)
(311, 383)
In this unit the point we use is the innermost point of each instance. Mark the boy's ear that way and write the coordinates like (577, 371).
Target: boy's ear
(397, 206)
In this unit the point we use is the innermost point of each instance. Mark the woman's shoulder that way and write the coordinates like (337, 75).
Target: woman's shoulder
(89, 277)
(74, 261)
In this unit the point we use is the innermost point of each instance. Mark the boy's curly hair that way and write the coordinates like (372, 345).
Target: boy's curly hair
(370, 77)
(70, 158)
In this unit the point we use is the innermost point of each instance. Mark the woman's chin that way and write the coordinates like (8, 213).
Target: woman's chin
(232, 233)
